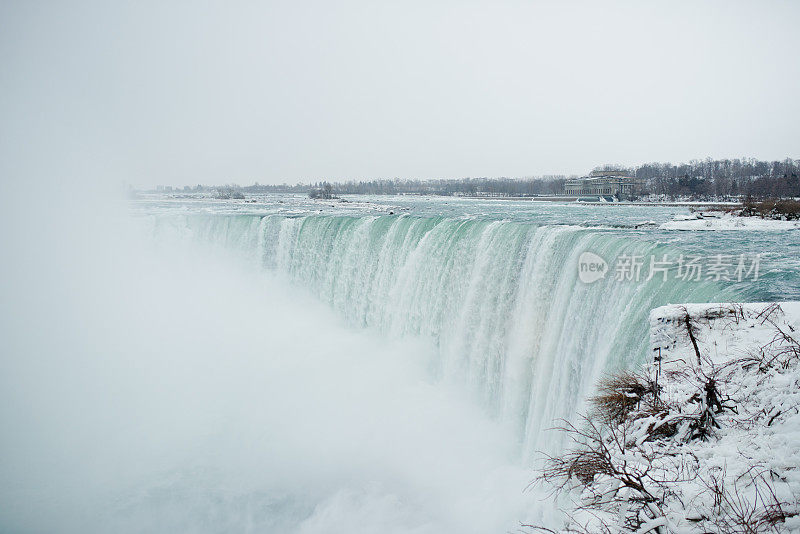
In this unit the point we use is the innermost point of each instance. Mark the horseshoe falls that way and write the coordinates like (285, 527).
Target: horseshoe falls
(500, 300)
(292, 366)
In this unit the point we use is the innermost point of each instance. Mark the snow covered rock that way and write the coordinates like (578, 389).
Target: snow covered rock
(728, 221)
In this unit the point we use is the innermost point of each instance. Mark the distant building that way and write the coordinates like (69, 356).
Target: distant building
(604, 183)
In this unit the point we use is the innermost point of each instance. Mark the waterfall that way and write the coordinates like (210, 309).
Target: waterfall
(500, 300)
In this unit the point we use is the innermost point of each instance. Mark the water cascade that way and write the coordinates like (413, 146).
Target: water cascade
(501, 300)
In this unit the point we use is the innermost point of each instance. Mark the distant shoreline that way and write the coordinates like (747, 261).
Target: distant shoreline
(710, 205)
(574, 200)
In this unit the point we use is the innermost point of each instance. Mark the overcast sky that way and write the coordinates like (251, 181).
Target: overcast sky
(202, 92)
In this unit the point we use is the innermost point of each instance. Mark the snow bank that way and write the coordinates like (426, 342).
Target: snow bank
(726, 221)
(705, 439)
(759, 430)
(723, 330)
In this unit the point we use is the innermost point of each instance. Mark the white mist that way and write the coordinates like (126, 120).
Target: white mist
(160, 388)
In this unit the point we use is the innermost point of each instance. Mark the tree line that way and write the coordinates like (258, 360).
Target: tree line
(516, 187)
(698, 179)
(709, 178)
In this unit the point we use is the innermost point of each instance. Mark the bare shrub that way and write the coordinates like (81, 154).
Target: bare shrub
(622, 393)
(785, 209)
(746, 506)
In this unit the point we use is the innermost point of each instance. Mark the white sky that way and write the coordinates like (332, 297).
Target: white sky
(199, 92)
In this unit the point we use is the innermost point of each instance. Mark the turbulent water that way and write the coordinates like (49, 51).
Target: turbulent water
(292, 366)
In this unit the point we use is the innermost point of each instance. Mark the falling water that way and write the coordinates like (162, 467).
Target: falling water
(500, 300)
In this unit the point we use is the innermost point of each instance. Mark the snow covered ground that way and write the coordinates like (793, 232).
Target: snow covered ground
(705, 439)
(727, 221)
(753, 449)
